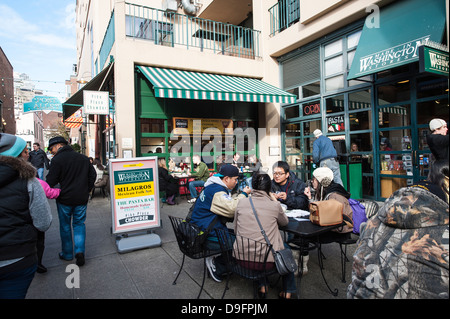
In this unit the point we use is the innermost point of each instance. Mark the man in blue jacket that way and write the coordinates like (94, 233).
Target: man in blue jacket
(216, 205)
(324, 154)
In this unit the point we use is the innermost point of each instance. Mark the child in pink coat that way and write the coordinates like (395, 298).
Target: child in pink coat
(51, 193)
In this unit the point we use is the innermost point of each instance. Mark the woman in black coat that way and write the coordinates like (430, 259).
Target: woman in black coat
(167, 183)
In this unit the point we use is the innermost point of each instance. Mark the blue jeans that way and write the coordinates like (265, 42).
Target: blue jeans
(14, 285)
(192, 187)
(40, 173)
(332, 164)
(72, 217)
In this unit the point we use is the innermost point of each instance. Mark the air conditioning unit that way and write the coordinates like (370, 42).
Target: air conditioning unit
(170, 5)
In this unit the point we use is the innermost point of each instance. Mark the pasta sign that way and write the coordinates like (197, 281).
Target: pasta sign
(135, 194)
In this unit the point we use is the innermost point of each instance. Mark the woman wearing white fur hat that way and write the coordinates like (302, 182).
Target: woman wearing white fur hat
(438, 139)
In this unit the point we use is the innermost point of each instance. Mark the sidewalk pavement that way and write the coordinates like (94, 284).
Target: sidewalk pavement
(149, 273)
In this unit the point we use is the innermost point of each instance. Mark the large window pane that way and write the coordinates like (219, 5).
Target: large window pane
(335, 83)
(395, 140)
(334, 65)
(394, 116)
(363, 142)
(353, 39)
(291, 112)
(426, 111)
(333, 48)
(152, 145)
(310, 126)
(311, 89)
(359, 100)
(292, 130)
(431, 86)
(335, 104)
(360, 121)
(394, 93)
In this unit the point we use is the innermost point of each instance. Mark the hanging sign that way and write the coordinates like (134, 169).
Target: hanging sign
(432, 60)
(96, 102)
(134, 194)
(43, 103)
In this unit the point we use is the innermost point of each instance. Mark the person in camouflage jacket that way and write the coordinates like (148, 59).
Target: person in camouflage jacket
(403, 251)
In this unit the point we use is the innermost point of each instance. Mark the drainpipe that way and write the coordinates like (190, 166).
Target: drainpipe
(188, 7)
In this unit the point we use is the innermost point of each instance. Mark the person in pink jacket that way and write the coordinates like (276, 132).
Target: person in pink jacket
(51, 193)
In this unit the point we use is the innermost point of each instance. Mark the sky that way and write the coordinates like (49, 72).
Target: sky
(39, 39)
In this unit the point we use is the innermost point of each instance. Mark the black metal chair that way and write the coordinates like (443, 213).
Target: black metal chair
(246, 258)
(194, 249)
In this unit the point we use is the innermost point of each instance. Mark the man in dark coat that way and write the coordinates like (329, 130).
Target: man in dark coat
(38, 159)
(287, 188)
(438, 139)
(76, 176)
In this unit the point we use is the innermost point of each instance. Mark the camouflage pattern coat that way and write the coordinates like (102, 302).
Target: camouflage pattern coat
(403, 251)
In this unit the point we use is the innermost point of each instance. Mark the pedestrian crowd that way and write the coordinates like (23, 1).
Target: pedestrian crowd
(401, 253)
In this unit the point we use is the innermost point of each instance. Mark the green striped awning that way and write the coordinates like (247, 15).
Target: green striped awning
(169, 83)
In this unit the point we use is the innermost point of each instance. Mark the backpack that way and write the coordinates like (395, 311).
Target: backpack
(359, 214)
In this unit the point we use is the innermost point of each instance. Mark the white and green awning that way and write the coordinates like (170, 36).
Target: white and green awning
(170, 83)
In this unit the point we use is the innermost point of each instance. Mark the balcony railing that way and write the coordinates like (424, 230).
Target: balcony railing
(283, 14)
(175, 30)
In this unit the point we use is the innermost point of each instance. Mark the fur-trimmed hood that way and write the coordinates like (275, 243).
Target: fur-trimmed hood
(12, 168)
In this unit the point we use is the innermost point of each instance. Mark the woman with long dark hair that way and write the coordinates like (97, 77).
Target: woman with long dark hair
(271, 216)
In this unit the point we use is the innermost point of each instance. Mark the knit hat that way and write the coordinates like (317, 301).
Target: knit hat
(11, 145)
(56, 140)
(436, 124)
(228, 170)
(324, 176)
(317, 133)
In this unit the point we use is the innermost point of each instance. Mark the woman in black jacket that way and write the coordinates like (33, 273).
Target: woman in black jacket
(167, 183)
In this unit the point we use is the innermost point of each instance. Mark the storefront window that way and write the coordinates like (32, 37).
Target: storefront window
(426, 111)
(360, 120)
(310, 89)
(152, 145)
(311, 108)
(334, 65)
(394, 93)
(291, 112)
(333, 48)
(361, 142)
(431, 86)
(394, 116)
(310, 126)
(152, 125)
(335, 104)
(360, 100)
(292, 130)
(395, 140)
(334, 83)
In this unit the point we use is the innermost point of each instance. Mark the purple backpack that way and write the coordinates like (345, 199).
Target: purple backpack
(359, 214)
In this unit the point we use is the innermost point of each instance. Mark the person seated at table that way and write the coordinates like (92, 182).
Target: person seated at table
(167, 183)
(403, 252)
(287, 188)
(216, 205)
(325, 188)
(271, 216)
(200, 174)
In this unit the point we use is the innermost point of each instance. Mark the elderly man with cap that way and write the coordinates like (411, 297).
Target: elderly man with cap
(216, 205)
(76, 175)
(438, 139)
(324, 154)
(24, 210)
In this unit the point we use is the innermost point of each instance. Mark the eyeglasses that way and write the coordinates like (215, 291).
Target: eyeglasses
(278, 174)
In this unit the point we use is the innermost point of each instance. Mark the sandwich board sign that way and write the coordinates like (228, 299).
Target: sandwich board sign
(135, 202)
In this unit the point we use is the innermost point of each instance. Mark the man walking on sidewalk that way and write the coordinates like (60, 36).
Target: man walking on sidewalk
(38, 159)
(76, 175)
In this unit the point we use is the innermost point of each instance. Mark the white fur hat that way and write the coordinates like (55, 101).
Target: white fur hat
(317, 133)
(324, 176)
(436, 124)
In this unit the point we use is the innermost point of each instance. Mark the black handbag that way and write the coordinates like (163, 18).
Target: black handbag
(284, 260)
